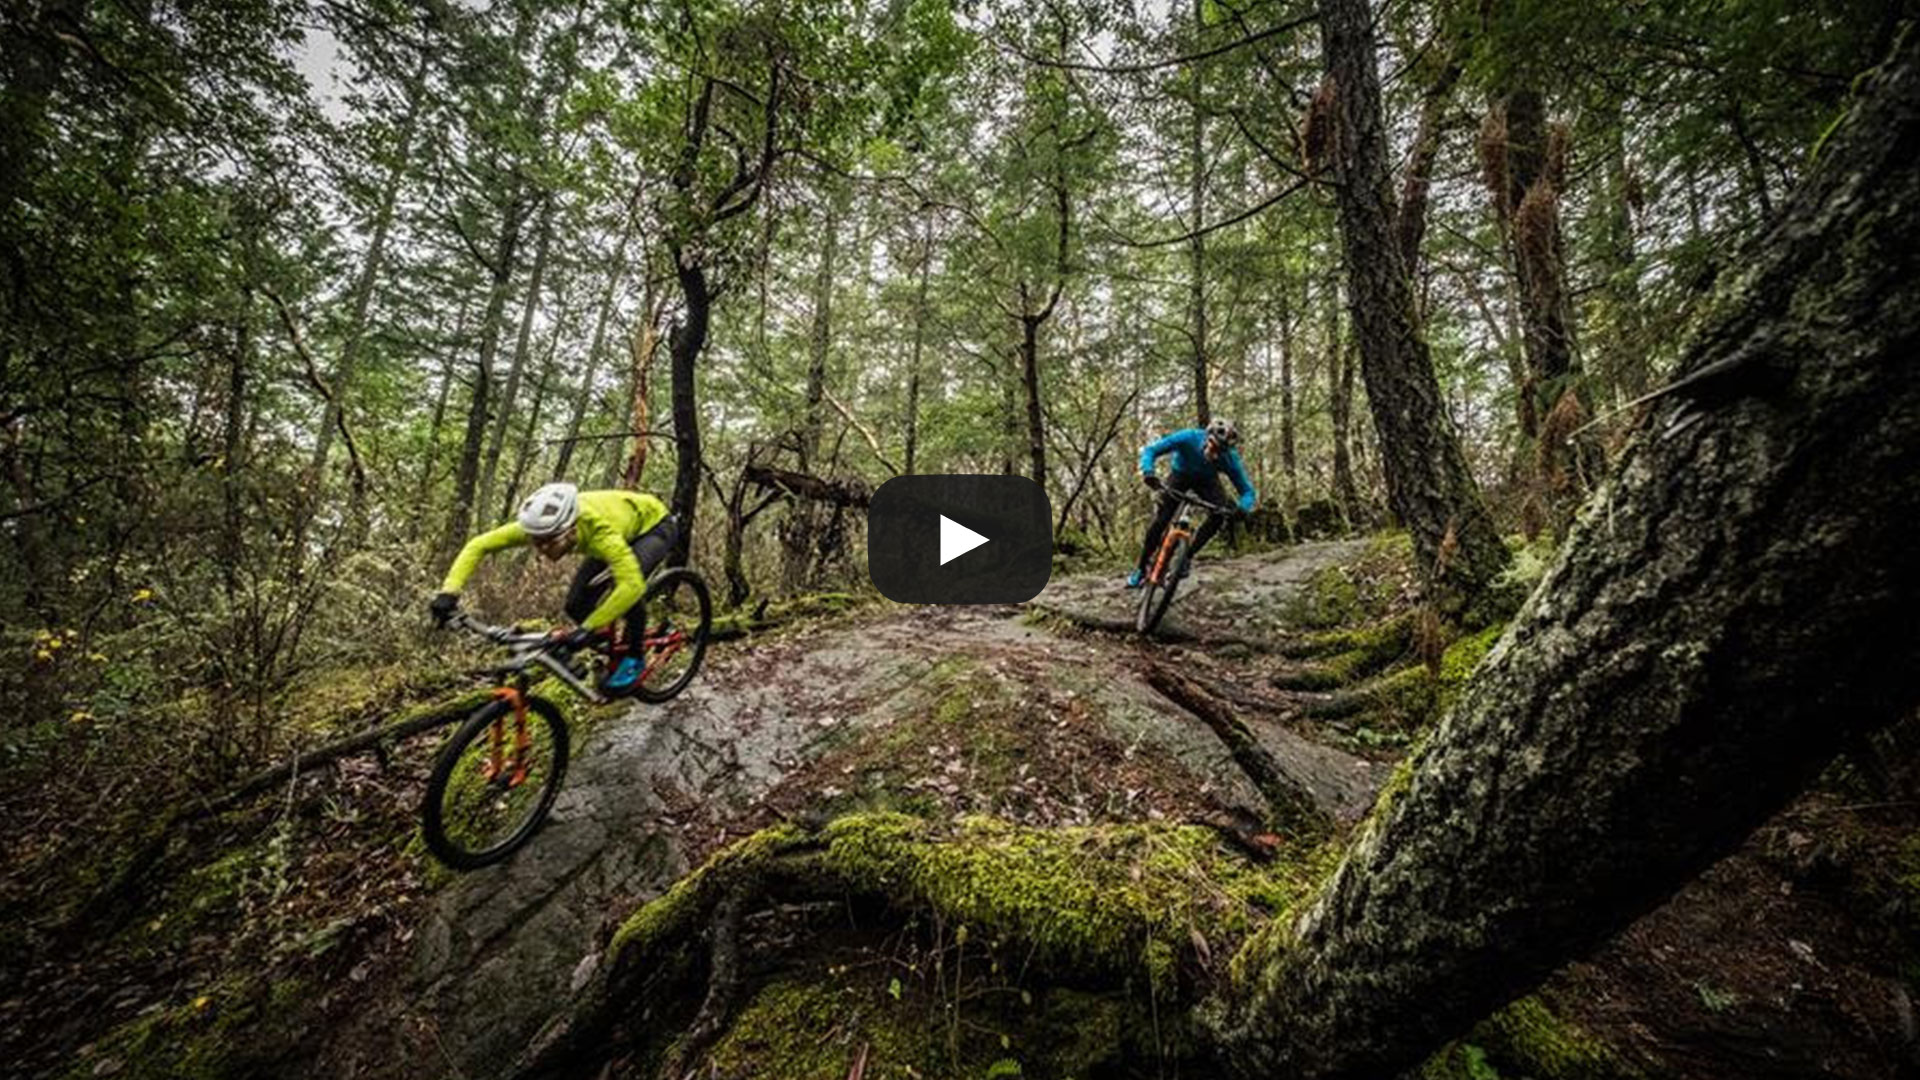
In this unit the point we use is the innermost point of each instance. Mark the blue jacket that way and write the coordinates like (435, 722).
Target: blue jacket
(1189, 450)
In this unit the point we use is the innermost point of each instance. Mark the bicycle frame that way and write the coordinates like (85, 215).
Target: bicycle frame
(1178, 529)
(529, 649)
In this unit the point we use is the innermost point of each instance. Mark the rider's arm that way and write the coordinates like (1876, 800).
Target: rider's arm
(1238, 474)
(1156, 450)
(609, 547)
(506, 536)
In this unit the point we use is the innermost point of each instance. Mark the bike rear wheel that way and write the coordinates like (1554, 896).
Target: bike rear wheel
(489, 790)
(1155, 599)
(679, 616)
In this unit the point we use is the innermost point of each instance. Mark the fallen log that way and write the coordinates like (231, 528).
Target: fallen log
(1290, 803)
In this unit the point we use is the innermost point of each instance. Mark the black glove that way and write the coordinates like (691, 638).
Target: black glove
(1150, 480)
(443, 606)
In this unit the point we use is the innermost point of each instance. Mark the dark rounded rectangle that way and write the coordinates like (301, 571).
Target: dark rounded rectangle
(1009, 566)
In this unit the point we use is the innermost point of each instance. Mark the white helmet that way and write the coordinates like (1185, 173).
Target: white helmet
(550, 510)
(1222, 431)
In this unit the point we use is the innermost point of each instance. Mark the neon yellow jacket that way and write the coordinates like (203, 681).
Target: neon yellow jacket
(609, 521)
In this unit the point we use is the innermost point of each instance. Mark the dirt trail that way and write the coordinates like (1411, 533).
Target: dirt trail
(651, 791)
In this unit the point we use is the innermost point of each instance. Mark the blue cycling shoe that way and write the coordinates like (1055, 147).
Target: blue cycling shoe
(1136, 579)
(624, 675)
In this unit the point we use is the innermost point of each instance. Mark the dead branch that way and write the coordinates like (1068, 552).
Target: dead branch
(847, 492)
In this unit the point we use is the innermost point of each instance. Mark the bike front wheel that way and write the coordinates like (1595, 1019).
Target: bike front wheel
(494, 783)
(1157, 597)
(678, 618)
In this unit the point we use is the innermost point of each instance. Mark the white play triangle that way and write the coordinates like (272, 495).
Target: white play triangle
(956, 539)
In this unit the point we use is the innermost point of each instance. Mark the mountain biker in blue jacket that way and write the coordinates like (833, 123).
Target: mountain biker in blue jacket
(1199, 456)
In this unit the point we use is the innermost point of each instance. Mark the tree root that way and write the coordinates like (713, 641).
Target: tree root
(1111, 904)
(1290, 804)
(1348, 655)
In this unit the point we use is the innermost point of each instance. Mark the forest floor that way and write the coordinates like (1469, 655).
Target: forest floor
(311, 938)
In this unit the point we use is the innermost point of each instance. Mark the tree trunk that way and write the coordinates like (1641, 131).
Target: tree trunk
(460, 518)
(1197, 247)
(1628, 370)
(644, 342)
(529, 433)
(1741, 607)
(1418, 179)
(510, 391)
(341, 379)
(584, 398)
(1526, 175)
(1289, 449)
(452, 348)
(919, 345)
(1340, 410)
(1030, 382)
(234, 444)
(820, 336)
(1428, 485)
(689, 337)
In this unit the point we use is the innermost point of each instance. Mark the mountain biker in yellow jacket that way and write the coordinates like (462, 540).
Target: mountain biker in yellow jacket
(623, 534)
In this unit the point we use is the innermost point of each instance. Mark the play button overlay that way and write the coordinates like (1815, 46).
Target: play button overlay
(956, 539)
(960, 539)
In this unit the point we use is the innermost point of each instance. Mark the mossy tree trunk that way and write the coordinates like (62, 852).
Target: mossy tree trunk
(1428, 486)
(1740, 606)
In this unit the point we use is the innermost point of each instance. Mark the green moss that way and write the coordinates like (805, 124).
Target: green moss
(1330, 599)
(1118, 900)
(1413, 697)
(1355, 654)
(1532, 1040)
(233, 1030)
(678, 914)
(795, 609)
(1459, 1061)
(798, 1029)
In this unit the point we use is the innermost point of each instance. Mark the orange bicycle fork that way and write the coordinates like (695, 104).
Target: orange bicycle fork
(1175, 530)
(497, 762)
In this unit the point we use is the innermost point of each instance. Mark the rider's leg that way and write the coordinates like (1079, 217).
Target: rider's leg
(590, 583)
(650, 548)
(1208, 489)
(1162, 517)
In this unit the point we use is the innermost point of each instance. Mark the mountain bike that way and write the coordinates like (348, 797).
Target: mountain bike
(497, 777)
(1170, 561)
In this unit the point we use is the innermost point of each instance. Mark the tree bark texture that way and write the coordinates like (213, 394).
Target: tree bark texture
(1739, 603)
(1428, 485)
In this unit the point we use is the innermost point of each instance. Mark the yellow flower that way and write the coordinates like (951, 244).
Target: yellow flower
(80, 717)
(200, 1003)
(143, 596)
(98, 658)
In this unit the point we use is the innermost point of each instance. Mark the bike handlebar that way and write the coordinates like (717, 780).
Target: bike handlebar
(1195, 500)
(530, 648)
